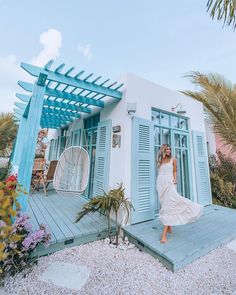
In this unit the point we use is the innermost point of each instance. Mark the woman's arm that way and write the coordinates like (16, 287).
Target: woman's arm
(175, 170)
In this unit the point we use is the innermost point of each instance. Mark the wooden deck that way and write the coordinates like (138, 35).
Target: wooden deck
(58, 213)
(187, 243)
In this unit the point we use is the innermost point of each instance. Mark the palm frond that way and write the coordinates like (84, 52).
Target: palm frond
(223, 10)
(99, 204)
(218, 95)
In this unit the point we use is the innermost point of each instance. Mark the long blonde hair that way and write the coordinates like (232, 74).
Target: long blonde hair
(162, 154)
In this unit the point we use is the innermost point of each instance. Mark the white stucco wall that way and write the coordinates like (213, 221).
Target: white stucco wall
(210, 138)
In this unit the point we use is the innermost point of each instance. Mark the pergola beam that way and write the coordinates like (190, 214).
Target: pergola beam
(66, 106)
(48, 111)
(64, 95)
(18, 111)
(56, 116)
(20, 105)
(56, 104)
(23, 97)
(61, 112)
(71, 81)
(55, 122)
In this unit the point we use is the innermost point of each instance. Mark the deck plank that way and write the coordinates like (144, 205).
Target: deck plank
(33, 220)
(69, 207)
(40, 218)
(65, 216)
(52, 210)
(50, 221)
(88, 225)
(95, 219)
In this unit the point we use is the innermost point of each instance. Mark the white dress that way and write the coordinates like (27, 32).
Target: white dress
(175, 209)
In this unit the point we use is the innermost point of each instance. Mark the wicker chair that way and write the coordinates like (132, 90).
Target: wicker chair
(72, 172)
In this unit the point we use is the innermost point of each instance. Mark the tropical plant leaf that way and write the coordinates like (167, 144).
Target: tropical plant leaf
(218, 95)
(223, 10)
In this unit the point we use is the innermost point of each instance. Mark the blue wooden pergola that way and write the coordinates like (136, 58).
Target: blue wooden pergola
(55, 99)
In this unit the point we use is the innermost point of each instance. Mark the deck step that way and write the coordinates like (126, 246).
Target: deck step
(58, 212)
(187, 242)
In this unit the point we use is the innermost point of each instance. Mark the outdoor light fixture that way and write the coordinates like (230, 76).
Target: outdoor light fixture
(131, 108)
(180, 110)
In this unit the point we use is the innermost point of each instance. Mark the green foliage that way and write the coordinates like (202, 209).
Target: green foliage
(219, 97)
(8, 129)
(112, 202)
(120, 203)
(223, 180)
(5, 172)
(223, 10)
(100, 204)
(17, 240)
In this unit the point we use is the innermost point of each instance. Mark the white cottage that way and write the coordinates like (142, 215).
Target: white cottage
(123, 140)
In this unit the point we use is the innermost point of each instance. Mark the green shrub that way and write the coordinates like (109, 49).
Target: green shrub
(223, 180)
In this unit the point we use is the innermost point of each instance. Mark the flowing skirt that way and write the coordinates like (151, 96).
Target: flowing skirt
(175, 209)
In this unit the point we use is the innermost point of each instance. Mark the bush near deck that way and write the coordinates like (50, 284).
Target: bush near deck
(223, 180)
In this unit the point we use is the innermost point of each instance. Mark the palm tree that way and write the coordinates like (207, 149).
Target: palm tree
(8, 130)
(218, 95)
(223, 10)
(120, 202)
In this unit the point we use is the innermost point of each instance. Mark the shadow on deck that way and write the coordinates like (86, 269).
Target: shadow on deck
(58, 212)
(188, 242)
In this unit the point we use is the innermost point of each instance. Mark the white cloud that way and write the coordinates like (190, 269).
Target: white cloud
(86, 51)
(51, 41)
(10, 73)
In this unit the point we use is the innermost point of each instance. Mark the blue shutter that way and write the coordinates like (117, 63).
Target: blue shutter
(102, 161)
(142, 178)
(201, 168)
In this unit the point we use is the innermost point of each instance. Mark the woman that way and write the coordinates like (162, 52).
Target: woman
(42, 143)
(175, 209)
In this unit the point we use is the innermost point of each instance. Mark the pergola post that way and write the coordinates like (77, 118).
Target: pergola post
(19, 144)
(30, 138)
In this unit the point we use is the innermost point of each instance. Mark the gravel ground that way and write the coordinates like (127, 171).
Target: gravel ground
(115, 271)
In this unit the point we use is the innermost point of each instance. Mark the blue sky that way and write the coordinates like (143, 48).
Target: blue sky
(158, 40)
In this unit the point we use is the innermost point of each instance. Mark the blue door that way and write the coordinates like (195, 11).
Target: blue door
(201, 168)
(142, 170)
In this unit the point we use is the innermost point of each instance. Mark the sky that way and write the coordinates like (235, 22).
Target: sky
(158, 40)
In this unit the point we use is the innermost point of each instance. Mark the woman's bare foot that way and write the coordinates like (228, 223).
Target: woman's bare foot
(169, 229)
(163, 240)
(163, 237)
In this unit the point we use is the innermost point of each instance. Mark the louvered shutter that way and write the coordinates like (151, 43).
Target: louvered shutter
(201, 168)
(102, 161)
(142, 178)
